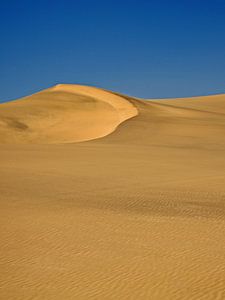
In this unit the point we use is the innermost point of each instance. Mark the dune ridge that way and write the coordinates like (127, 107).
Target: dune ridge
(63, 114)
(68, 113)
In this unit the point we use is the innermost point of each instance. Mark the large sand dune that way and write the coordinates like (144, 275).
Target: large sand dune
(137, 211)
(63, 113)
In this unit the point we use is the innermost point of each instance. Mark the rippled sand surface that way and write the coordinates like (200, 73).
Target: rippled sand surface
(136, 214)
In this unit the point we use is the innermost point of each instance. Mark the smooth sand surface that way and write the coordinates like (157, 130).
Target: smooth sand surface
(136, 214)
(63, 114)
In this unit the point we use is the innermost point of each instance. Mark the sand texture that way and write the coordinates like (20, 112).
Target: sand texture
(134, 211)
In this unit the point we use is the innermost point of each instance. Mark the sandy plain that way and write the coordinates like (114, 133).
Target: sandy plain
(105, 196)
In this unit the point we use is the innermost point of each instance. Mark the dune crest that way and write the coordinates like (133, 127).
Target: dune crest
(64, 113)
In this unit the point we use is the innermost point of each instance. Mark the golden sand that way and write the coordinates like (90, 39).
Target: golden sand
(137, 211)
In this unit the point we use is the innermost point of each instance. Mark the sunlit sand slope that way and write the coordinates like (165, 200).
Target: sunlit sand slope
(188, 122)
(136, 214)
(64, 113)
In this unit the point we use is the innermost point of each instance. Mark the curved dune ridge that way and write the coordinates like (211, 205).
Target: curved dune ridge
(68, 113)
(64, 113)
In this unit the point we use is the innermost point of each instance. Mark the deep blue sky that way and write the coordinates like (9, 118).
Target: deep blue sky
(140, 47)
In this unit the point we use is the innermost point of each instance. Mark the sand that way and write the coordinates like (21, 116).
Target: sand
(63, 114)
(134, 211)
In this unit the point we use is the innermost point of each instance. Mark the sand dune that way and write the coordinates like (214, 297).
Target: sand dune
(137, 211)
(63, 113)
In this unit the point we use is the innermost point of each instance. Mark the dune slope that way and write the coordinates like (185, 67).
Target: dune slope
(63, 113)
(136, 214)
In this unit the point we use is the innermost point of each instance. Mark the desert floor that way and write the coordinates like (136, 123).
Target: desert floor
(131, 205)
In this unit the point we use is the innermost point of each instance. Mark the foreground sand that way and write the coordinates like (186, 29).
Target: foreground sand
(137, 214)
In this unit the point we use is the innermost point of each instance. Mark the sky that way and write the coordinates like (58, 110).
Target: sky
(143, 48)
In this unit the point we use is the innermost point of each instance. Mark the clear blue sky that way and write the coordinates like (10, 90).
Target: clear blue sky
(140, 47)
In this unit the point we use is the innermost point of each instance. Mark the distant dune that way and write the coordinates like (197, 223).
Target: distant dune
(69, 113)
(63, 114)
(106, 196)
